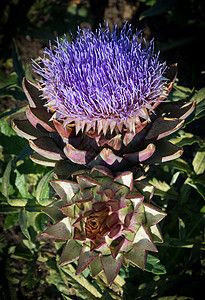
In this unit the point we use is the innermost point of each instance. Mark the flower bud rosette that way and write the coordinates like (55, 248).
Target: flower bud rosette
(101, 101)
(106, 221)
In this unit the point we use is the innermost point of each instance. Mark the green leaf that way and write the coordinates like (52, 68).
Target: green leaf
(12, 112)
(181, 165)
(160, 7)
(7, 209)
(23, 253)
(200, 96)
(163, 189)
(13, 91)
(4, 80)
(199, 111)
(23, 223)
(41, 222)
(180, 93)
(18, 202)
(43, 189)
(80, 283)
(199, 161)
(11, 220)
(184, 138)
(154, 265)
(17, 63)
(6, 129)
(182, 229)
(12, 144)
(6, 180)
(199, 187)
(24, 153)
(20, 183)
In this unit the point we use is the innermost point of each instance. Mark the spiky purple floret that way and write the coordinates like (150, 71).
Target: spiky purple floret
(101, 75)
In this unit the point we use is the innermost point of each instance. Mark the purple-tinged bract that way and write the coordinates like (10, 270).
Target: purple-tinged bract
(102, 75)
(101, 101)
(106, 221)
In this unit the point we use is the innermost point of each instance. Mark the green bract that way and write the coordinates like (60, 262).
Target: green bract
(108, 221)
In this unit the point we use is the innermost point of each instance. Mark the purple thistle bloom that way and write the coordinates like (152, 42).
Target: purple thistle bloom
(102, 79)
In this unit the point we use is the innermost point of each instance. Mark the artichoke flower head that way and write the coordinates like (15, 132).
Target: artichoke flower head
(101, 102)
(106, 221)
(104, 80)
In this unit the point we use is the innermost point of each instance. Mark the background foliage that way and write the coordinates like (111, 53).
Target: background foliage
(28, 261)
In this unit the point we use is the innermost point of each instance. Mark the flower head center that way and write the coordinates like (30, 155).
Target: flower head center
(102, 77)
(95, 224)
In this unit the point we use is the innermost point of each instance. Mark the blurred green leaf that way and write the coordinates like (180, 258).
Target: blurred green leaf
(23, 253)
(17, 63)
(19, 202)
(199, 111)
(6, 181)
(80, 283)
(12, 112)
(160, 7)
(163, 189)
(9, 140)
(183, 138)
(154, 265)
(200, 188)
(20, 183)
(199, 161)
(6, 129)
(5, 208)
(43, 189)
(24, 153)
(12, 90)
(181, 165)
(182, 229)
(41, 222)
(5, 80)
(23, 223)
(11, 220)
(30, 280)
(180, 93)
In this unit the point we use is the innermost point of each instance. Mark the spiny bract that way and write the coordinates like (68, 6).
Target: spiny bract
(106, 220)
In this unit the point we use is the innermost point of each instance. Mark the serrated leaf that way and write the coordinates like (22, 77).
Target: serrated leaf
(23, 223)
(81, 284)
(199, 161)
(154, 265)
